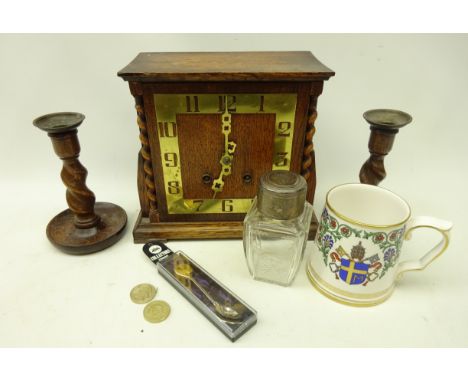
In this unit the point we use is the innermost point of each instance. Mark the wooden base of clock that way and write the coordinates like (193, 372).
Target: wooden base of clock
(144, 230)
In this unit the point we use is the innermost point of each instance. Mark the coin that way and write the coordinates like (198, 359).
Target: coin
(142, 293)
(156, 311)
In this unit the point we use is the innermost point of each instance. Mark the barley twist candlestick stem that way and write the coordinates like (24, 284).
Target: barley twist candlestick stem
(384, 125)
(86, 226)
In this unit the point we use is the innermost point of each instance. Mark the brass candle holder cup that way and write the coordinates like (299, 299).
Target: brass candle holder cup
(384, 125)
(86, 226)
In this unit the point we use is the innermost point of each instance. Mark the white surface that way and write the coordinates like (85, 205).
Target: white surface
(51, 299)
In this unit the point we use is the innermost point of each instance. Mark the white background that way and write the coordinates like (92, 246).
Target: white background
(51, 299)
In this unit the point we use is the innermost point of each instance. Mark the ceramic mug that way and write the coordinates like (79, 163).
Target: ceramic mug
(359, 240)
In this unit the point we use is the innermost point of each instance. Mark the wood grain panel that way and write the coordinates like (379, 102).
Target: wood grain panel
(254, 153)
(201, 146)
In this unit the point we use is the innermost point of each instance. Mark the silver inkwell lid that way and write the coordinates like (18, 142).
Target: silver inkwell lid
(281, 194)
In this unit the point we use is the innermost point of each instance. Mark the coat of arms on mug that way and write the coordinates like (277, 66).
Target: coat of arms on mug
(359, 241)
(361, 263)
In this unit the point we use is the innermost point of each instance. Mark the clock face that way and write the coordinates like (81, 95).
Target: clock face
(215, 147)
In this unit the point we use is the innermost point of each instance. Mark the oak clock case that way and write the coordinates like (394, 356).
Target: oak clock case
(205, 146)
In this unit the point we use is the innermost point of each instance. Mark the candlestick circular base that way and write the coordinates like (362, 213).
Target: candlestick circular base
(62, 232)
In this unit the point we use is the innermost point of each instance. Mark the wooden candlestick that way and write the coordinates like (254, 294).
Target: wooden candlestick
(86, 226)
(384, 125)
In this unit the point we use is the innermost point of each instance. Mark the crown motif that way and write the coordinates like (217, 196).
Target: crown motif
(358, 252)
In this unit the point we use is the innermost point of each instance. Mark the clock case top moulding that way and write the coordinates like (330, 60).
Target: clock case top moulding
(217, 73)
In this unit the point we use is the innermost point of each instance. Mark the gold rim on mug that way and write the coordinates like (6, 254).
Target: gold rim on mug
(357, 222)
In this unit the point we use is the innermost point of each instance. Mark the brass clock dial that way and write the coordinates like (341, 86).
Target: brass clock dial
(214, 148)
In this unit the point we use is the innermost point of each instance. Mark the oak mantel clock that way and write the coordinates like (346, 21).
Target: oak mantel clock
(210, 125)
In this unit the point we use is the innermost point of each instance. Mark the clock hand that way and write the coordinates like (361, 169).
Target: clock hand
(229, 148)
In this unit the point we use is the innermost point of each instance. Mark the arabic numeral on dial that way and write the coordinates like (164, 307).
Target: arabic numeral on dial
(198, 203)
(167, 129)
(284, 129)
(192, 102)
(281, 159)
(227, 205)
(171, 159)
(173, 187)
(231, 101)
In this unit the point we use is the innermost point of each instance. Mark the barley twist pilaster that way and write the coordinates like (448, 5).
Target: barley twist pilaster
(145, 153)
(308, 158)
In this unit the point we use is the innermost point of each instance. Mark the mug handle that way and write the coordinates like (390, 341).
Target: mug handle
(442, 226)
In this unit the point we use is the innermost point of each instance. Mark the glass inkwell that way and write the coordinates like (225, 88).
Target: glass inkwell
(276, 227)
